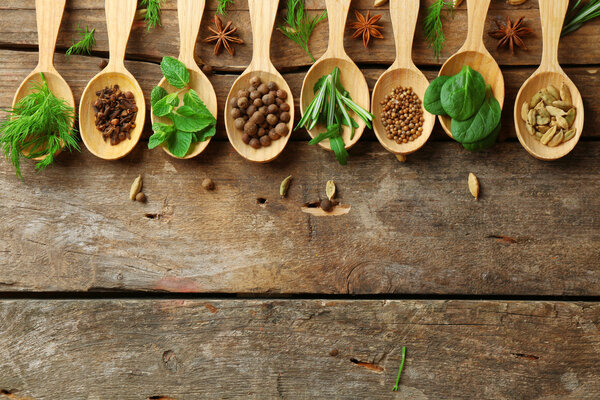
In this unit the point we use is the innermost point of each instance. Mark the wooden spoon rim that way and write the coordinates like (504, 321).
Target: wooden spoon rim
(247, 152)
(140, 102)
(389, 144)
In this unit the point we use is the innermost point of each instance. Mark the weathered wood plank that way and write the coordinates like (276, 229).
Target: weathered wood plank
(18, 27)
(412, 228)
(184, 349)
(16, 65)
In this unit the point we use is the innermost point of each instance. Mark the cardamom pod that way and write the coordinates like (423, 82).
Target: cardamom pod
(525, 111)
(378, 3)
(562, 105)
(570, 134)
(570, 117)
(538, 135)
(136, 187)
(540, 120)
(562, 122)
(555, 111)
(531, 116)
(535, 99)
(547, 97)
(548, 135)
(543, 128)
(553, 91)
(557, 139)
(473, 185)
(330, 189)
(565, 94)
(515, 2)
(285, 185)
(530, 128)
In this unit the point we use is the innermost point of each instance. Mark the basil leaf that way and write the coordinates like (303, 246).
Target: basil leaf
(432, 101)
(190, 124)
(463, 94)
(165, 105)
(480, 125)
(175, 72)
(485, 143)
(179, 143)
(157, 94)
(162, 132)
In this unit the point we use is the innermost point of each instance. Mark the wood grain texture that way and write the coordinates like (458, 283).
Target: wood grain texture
(578, 48)
(183, 349)
(15, 65)
(412, 227)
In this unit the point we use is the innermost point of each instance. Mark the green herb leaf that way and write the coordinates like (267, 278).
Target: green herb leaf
(162, 132)
(205, 133)
(339, 149)
(579, 15)
(85, 44)
(298, 26)
(432, 100)
(190, 123)
(432, 26)
(157, 94)
(485, 143)
(194, 101)
(152, 15)
(165, 105)
(175, 72)
(463, 94)
(480, 125)
(179, 143)
(222, 6)
(396, 388)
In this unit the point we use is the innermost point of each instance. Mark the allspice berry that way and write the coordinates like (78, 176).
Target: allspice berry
(282, 129)
(326, 205)
(208, 184)
(141, 197)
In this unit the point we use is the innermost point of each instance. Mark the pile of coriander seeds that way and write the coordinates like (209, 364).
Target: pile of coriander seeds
(402, 115)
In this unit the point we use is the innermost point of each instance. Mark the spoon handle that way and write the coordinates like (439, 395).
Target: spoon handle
(337, 12)
(189, 13)
(48, 15)
(404, 15)
(262, 19)
(552, 14)
(476, 13)
(119, 18)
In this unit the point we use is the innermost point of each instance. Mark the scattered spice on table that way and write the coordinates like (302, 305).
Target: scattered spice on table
(366, 27)
(208, 184)
(136, 187)
(473, 183)
(550, 115)
(261, 113)
(284, 186)
(298, 26)
(39, 125)
(115, 113)
(402, 115)
(85, 44)
(511, 35)
(223, 36)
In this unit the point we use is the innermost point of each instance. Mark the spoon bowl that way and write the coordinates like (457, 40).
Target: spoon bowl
(119, 18)
(552, 13)
(91, 136)
(352, 80)
(263, 154)
(474, 54)
(402, 73)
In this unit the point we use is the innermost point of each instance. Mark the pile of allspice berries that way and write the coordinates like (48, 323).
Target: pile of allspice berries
(550, 116)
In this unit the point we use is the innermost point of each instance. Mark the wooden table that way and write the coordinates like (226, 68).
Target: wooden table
(236, 293)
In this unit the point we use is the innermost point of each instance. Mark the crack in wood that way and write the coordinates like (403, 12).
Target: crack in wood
(526, 356)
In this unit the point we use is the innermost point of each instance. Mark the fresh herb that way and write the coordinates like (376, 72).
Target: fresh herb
(480, 125)
(463, 94)
(222, 6)
(432, 100)
(486, 142)
(39, 125)
(152, 15)
(432, 25)
(330, 107)
(85, 44)
(579, 15)
(192, 122)
(298, 26)
(396, 388)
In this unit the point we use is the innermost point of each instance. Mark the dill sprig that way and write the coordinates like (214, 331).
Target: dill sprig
(152, 15)
(298, 26)
(579, 15)
(39, 124)
(432, 26)
(222, 6)
(85, 44)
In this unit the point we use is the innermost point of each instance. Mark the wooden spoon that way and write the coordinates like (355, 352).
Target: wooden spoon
(552, 14)
(351, 77)
(189, 13)
(403, 72)
(119, 17)
(262, 18)
(474, 54)
(48, 15)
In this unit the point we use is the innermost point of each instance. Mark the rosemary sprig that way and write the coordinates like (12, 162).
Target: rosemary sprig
(222, 6)
(298, 26)
(432, 25)
(39, 124)
(85, 44)
(152, 15)
(579, 15)
(396, 388)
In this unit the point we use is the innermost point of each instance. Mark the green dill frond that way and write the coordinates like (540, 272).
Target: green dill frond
(85, 44)
(432, 26)
(152, 16)
(222, 6)
(298, 26)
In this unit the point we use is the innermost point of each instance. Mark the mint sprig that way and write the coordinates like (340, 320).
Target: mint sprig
(192, 121)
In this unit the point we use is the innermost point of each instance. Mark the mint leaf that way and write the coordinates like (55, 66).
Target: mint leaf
(179, 143)
(204, 134)
(157, 94)
(194, 101)
(162, 132)
(190, 124)
(186, 111)
(175, 72)
(165, 105)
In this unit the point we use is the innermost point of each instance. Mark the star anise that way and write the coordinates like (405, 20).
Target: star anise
(223, 36)
(366, 27)
(511, 35)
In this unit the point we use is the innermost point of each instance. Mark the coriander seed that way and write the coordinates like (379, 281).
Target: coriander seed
(402, 115)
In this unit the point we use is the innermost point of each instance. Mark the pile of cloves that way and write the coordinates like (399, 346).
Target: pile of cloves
(115, 113)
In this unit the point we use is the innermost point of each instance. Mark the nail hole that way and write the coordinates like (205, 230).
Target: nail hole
(261, 200)
(151, 216)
